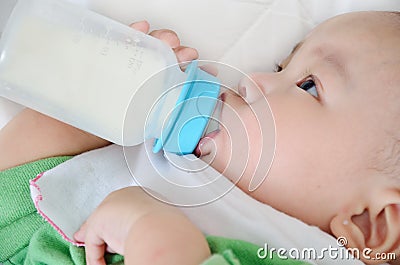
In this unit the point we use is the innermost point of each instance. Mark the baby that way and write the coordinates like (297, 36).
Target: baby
(334, 104)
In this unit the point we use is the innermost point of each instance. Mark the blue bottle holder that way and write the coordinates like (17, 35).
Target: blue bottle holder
(191, 114)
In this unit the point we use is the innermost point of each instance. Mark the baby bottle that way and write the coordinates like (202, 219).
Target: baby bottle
(103, 77)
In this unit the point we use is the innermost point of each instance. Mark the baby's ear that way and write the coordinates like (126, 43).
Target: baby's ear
(373, 230)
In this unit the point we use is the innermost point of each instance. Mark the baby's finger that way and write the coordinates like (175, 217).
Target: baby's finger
(110, 250)
(79, 235)
(142, 26)
(95, 248)
(186, 54)
(211, 69)
(167, 36)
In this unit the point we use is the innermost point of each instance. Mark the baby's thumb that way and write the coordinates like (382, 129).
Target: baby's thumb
(80, 235)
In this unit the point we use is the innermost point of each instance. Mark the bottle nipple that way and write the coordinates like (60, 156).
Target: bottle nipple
(194, 113)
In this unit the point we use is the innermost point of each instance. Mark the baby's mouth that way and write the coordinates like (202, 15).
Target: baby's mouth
(199, 151)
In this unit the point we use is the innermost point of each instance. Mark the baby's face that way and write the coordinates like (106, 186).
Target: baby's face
(329, 104)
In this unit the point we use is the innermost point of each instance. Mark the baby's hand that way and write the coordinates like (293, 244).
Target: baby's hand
(144, 230)
(106, 228)
(182, 53)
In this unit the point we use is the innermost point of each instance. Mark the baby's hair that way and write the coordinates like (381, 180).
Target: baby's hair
(395, 12)
(394, 16)
(395, 151)
(387, 158)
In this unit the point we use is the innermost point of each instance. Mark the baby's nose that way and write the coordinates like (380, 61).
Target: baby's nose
(252, 87)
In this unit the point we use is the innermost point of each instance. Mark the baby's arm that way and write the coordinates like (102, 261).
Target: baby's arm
(31, 136)
(162, 237)
(143, 229)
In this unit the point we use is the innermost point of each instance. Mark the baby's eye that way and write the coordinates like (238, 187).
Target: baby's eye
(309, 86)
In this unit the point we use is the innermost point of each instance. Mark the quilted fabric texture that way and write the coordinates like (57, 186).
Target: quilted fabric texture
(249, 34)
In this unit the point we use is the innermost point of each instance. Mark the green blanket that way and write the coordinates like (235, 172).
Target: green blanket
(25, 238)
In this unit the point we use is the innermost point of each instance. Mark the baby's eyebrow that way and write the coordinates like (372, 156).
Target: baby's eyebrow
(338, 64)
(333, 58)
